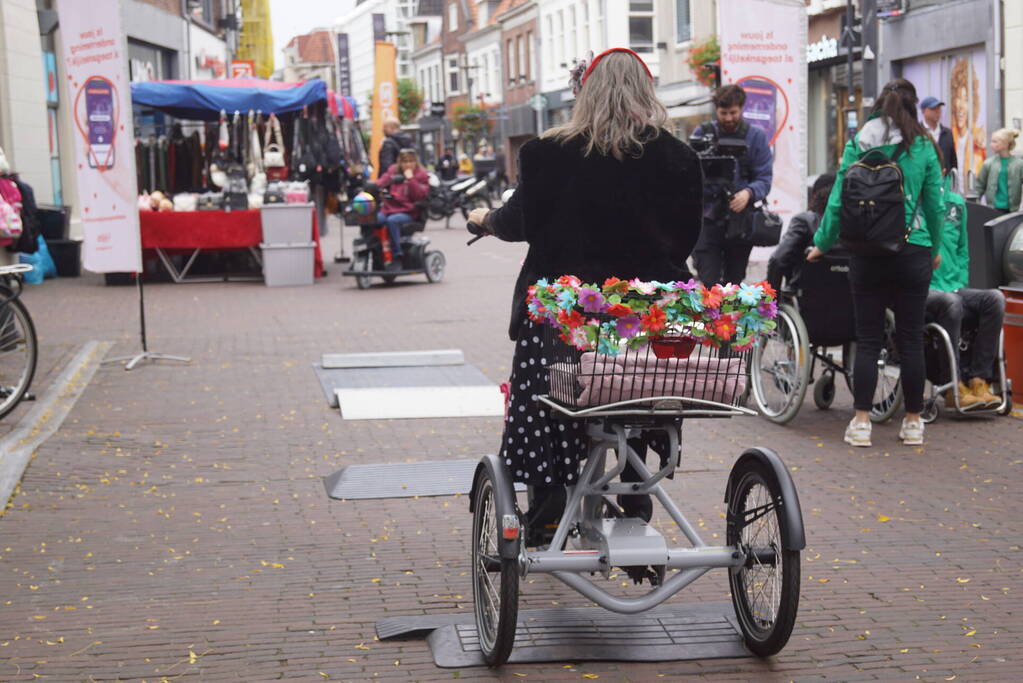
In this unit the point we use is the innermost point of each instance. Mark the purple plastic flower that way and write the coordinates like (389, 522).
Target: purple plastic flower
(688, 286)
(591, 300)
(628, 326)
(768, 309)
(712, 313)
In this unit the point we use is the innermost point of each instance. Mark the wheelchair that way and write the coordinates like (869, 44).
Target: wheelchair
(813, 322)
(943, 374)
(371, 250)
(763, 529)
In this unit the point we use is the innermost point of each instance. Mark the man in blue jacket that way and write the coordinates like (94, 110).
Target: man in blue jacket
(719, 256)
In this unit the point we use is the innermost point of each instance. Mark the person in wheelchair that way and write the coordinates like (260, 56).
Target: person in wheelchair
(791, 251)
(407, 183)
(951, 303)
(611, 193)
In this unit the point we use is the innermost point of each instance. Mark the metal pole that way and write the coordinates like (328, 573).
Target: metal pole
(849, 19)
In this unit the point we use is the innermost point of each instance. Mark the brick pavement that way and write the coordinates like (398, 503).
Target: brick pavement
(176, 525)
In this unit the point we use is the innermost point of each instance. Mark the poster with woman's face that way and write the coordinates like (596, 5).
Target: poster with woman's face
(958, 79)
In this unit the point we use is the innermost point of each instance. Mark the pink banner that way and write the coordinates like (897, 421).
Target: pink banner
(763, 49)
(96, 76)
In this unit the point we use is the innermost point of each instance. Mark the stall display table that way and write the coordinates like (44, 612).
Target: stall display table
(195, 231)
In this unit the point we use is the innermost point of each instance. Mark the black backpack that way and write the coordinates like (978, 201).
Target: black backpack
(872, 220)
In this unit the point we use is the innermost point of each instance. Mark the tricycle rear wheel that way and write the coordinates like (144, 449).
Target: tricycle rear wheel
(495, 580)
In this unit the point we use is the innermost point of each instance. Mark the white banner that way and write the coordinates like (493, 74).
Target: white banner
(96, 74)
(763, 49)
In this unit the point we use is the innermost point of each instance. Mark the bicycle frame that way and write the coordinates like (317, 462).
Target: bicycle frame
(635, 543)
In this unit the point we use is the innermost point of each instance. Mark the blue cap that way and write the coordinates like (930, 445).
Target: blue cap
(930, 102)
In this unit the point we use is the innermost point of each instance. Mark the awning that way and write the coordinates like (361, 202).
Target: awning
(342, 105)
(204, 100)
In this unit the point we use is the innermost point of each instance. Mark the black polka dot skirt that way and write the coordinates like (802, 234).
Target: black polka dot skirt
(538, 449)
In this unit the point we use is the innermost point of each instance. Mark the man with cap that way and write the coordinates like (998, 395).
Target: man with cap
(931, 108)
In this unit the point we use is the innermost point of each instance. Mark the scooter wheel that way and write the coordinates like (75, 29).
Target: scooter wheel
(433, 264)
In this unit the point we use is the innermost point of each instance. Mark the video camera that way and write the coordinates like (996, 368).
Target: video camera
(718, 158)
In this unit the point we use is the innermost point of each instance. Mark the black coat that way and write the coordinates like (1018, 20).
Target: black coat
(791, 251)
(389, 149)
(947, 145)
(596, 217)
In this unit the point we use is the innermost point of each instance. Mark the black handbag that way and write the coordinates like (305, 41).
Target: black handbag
(755, 226)
(210, 201)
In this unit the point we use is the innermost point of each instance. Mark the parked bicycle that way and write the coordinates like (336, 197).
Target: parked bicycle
(19, 350)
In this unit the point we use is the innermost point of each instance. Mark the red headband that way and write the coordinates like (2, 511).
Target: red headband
(603, 54)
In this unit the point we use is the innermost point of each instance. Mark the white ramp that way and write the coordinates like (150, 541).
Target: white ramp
(392, 359)
(388, 403)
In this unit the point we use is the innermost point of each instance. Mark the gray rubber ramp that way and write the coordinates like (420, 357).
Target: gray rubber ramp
(667, 633)
(423, 376)
(403, 480)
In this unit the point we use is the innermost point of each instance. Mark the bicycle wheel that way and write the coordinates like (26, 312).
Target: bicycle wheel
(495, 580)
(765, 590)
(18, 351)
(888, 392)
(780, 367)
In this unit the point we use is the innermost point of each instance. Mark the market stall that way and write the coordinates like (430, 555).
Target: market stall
(243, 144)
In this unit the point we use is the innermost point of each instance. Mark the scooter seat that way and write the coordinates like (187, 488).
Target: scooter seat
(412, 227)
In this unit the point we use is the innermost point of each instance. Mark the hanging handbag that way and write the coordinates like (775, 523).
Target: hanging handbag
(220, 155)
(766, 227)
(273, 150)
(254, 163)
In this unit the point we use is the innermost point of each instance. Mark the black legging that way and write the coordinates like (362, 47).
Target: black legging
(899, 282)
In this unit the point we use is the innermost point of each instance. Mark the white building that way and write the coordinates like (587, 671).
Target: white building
(370, 21)
(483, 57)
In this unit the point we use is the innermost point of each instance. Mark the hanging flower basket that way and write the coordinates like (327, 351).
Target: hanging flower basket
(705, 61)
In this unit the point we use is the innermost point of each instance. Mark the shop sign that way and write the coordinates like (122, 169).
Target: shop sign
(825, 48)
(50, 67)
(214, 64)
(344, 66)
(243, 68)
(437, 109)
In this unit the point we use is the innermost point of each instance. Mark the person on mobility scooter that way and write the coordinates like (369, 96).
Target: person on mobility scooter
(390, 244)
(612, 197)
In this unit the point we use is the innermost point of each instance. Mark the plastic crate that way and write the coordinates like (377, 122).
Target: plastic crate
(67, 256)
(286, 223)
(288, 265)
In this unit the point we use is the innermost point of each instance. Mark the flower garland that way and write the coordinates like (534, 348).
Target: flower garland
(705, 59)
(633, 313)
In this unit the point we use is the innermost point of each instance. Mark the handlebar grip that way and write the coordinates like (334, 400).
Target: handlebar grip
(473, 228)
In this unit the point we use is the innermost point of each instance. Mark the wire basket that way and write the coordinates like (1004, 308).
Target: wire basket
(672, 374)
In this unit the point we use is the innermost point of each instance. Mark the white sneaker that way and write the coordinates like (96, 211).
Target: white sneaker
(912, 433)
(858, 434)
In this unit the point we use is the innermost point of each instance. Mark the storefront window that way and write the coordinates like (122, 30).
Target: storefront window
(683, 21)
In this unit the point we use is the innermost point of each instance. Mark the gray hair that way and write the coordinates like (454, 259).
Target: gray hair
(616, 112)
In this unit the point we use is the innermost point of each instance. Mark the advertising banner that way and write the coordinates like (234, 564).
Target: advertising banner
(959, 79)
(344, 66)
(385, 100)
(763, 49)
(99, 94)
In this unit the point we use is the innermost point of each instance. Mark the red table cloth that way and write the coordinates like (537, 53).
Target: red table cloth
(211, 230)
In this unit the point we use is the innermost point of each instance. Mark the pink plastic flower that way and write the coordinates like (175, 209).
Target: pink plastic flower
(591, 300)
(628, 326)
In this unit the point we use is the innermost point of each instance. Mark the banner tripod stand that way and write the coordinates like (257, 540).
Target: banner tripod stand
(146, 354)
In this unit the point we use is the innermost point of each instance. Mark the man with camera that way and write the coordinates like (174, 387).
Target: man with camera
(737, 174)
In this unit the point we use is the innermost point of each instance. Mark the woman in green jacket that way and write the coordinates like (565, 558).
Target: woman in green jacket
(898, 281)
(1001, 175)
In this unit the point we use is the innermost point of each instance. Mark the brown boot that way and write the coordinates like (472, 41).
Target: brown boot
(982, 390)
(967, 401)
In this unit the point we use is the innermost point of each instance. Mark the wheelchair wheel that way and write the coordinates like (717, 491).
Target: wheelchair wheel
(434, 263)
(824, 391)
(765, 590)
(781, 368)
(931, 411)
(495, 580)
(888, 392)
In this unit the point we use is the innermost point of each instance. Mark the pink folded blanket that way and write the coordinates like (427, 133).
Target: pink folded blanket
(607, 379)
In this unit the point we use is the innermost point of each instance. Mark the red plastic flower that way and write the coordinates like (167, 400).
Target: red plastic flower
(613, 284)
(712, 297)
(572, 319)
(620, 310)
(768, 289)
(723, 328)
(569, 280)
(655, 320)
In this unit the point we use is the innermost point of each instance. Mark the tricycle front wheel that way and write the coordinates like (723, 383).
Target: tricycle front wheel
(765, 589)
(495, 580)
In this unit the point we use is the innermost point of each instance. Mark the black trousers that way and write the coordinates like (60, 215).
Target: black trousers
(899, 282)
(979, 309)
(719, 260)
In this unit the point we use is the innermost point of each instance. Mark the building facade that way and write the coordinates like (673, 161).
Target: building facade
(310, 56)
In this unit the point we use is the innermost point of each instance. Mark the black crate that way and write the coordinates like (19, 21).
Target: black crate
(67, 256)
(54, 221)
